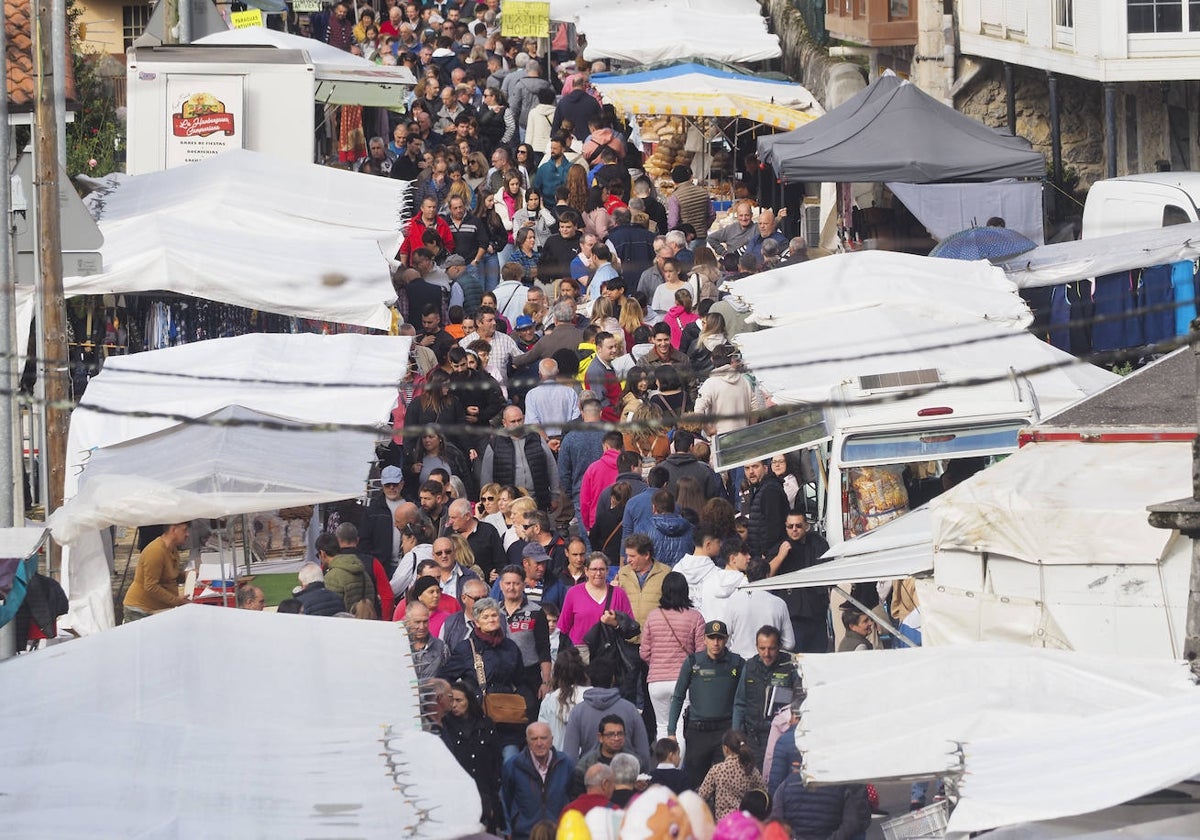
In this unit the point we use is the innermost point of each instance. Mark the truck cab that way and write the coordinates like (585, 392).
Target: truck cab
(1141, 202)
(875, 452)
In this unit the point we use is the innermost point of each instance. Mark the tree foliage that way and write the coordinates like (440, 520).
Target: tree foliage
(96, 139)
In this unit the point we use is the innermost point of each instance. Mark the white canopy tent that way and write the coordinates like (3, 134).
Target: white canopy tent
(210, 722)
(347, 380)
(688, 79)
(660, 32)
(341, 78)
(215, 468)
(1065, 262)
(948, 289)
(802, 361)
(572, 10)
(944, 696)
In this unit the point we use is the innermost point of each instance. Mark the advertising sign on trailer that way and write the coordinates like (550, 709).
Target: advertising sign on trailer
(206, 117)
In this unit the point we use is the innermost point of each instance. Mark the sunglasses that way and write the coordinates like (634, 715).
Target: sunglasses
(443, 553)
(487, 498)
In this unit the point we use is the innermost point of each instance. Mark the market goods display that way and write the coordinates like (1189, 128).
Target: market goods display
(668, 136)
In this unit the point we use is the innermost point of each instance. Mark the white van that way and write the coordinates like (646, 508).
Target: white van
(868, 459)
(1141, 202)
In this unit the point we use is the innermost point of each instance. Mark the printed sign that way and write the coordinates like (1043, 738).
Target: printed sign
(205, 117)
(525, 20)
(246, 19)
(306, 5)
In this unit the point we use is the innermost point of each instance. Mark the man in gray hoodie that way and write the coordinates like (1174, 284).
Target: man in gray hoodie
(602, 699)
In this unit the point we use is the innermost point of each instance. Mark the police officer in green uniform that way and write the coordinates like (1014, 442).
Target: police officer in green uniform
(709, 680)
(767, 685)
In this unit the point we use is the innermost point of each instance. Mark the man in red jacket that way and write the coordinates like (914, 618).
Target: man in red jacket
(602, 380)
(427, 219)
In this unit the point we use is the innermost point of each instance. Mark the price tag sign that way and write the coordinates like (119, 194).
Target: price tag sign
(247, 19)
(306, 5)
(525, 20)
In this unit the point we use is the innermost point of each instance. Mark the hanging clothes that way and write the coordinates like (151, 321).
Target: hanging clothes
(1183, 284)
(1117, 327)
(1060, 314)
(1156, 298)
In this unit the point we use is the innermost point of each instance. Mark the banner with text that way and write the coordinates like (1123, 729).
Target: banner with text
(205, 117)
(525, 20)
(246, 19)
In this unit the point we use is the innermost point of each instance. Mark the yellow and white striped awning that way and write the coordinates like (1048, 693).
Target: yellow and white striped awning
(641, 102)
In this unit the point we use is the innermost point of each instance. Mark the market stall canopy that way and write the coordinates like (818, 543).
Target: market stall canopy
(1066, 262)
(253, 230)
(1080, 766)
(690, 77)
(341, 78)
(949, 695)
(660, 32)
(696, 105)
(1067, 503)
(843, 282)
(212, 722)
(803, 361)
(893, 131)
(233, 460)
(347, 380)
(897, 549)
(571, 10)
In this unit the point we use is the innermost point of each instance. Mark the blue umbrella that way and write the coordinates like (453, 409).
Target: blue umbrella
(983, 243)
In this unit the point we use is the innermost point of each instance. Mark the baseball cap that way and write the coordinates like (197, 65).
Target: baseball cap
(391, 475)
(523, 322)
(716, 628)
(535, 552)
(454, 259)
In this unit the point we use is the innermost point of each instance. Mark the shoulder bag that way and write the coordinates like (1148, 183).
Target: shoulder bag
(501, 708)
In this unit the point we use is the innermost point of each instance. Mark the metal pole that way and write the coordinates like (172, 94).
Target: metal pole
(185, 21)
(1010, 98)
(58, 51)
(1055, 129)
(54, 372)
(9, 460)
(1110, 127)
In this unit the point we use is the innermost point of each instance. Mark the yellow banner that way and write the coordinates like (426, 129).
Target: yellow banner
(525, 20)
(247, 19)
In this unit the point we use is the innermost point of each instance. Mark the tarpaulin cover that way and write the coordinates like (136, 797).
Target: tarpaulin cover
(571, 10)
(1065, 262)
(925, 285)
(1066, 503)
(946, 208)
(802, 361)
(339, 379)
(897, 549)
(941, 696)
(661, 32)
(214, 469)
(256, 231)
(893, 131)
(1079, 766)
(691, 77)
(213, 722)
(686, 104)
(341, 78)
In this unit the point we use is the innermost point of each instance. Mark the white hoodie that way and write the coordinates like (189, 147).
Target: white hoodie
(696, 568)
(744, 611)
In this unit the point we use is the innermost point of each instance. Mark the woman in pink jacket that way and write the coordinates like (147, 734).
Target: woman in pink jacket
(588, 603)
(670, 634)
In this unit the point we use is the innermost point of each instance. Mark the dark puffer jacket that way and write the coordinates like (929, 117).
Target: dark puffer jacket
(836, 812)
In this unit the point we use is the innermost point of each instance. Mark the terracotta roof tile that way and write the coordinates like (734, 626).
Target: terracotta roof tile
(17, 14)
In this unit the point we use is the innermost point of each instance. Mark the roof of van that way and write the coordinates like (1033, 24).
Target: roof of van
(1188, 181)
(1159, 396)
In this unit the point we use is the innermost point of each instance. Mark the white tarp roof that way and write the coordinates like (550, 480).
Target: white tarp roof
(341, 78)
(342, 379)
(1079, 766)
(802, 361)
(953, 290)
(659, 32)
(571, 10)
(213, 722)
(691, 78)
(19, 543)
(256, 231)
(1066, 503)
(215, 469)
(1065, 262)
(897, 549)
(947, 695)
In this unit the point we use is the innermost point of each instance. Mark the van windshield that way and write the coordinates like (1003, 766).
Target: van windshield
(930, 444)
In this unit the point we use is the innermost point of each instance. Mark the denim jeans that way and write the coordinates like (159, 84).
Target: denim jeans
(490, 265)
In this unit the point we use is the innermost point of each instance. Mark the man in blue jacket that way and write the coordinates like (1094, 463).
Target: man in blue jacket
(534, 783)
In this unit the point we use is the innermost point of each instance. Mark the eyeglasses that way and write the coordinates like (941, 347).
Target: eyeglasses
(443, 553)
(794, 525)
(612, 734)
(597, 571)
(487, 498)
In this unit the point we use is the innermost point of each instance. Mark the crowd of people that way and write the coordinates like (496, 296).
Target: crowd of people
(567, 564)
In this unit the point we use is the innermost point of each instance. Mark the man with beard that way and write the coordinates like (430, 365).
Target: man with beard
(808, 607)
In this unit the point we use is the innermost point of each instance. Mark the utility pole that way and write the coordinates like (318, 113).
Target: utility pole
(53, 316)
(1184, 515)
(8, 327)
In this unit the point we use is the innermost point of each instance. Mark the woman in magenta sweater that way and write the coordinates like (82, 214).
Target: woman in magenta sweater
(671, 632)
(584, 605)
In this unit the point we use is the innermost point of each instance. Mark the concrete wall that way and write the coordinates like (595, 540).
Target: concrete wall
(831, 81)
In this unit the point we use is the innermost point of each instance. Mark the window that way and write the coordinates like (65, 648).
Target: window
(1064, 13)
(930, 444)
(133, 22)
(900, 10)
(1158, 15)
(1173, 215)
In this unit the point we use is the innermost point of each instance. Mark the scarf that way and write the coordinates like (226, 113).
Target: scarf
(491, 639)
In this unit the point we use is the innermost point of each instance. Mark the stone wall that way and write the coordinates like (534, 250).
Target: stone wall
(803, 60)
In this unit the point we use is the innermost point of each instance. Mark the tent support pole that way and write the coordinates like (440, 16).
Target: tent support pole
(1110, 128)
(246, 541)
(1010, 98)
(887, 625)
(221, 554)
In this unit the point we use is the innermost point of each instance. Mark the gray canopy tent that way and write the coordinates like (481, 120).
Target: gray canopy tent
(893, 131)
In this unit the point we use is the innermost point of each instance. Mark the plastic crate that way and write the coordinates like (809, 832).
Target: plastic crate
(929, 821)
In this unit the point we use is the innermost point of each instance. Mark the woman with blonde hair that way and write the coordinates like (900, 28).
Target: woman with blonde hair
(605, 317)
(517, 510)
(489, 504)
(648, 437)
(631, 317)
(464, 556)
(476, 174)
